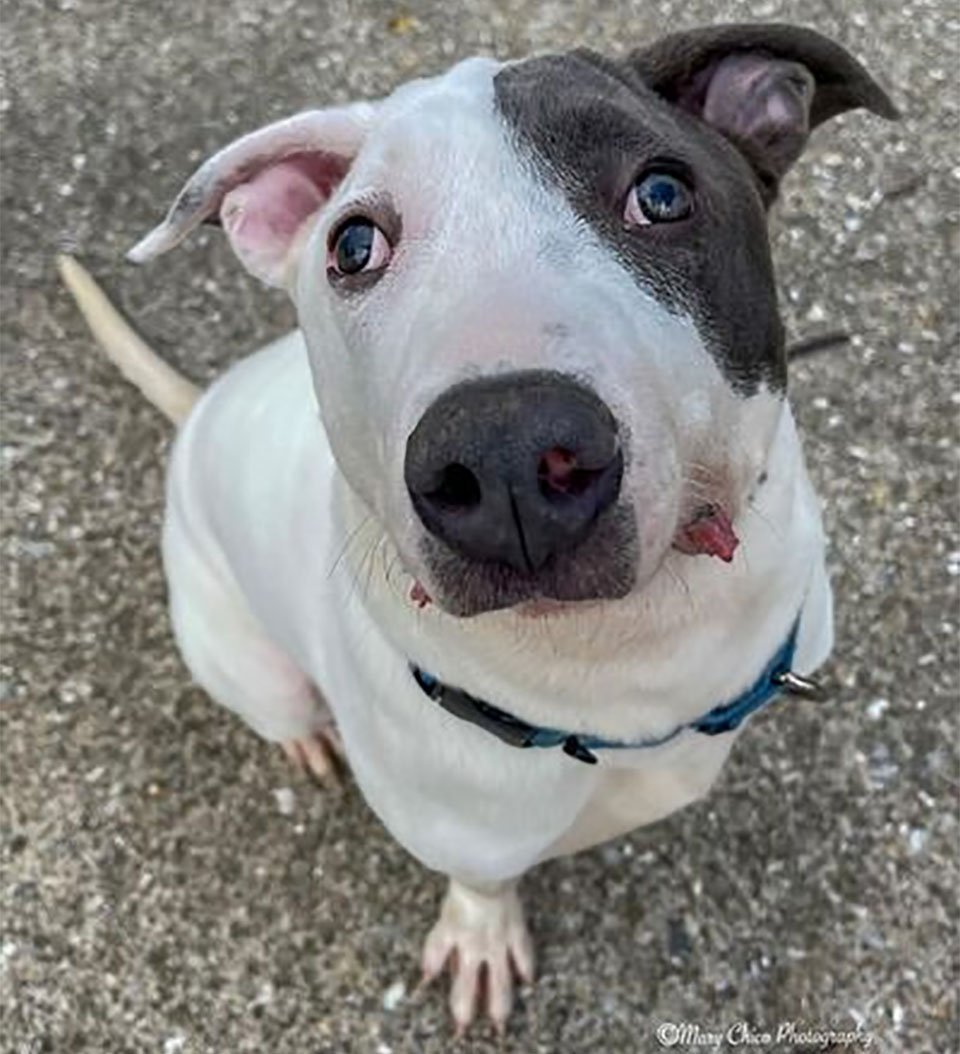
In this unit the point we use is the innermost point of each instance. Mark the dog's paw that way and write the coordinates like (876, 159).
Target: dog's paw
(485, 941)
(320, 755)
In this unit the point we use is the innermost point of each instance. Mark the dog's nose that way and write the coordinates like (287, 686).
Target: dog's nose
(514, 469)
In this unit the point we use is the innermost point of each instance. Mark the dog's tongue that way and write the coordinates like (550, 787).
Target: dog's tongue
(710, 532)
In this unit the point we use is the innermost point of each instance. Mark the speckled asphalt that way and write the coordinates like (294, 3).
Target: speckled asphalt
(159, 894)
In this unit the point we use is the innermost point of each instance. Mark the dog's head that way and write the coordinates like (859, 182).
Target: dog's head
(538, 298)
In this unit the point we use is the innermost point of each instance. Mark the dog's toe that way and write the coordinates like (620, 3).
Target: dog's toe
(319, 754)
(484, 940)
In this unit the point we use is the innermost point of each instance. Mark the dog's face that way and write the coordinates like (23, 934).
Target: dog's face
(539, 302)
(558, 338)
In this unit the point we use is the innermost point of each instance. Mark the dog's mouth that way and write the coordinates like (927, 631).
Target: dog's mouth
(604, 567)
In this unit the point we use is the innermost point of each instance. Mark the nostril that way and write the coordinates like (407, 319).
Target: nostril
(458, 488)
(559, 475)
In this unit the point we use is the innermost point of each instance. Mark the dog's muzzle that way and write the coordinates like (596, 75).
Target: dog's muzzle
(516, 469)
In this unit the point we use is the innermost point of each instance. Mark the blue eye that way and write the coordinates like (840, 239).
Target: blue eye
(357, 246)
(354, 246)
(659, 197)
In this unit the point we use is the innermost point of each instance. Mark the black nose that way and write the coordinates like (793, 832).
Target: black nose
(514, 469)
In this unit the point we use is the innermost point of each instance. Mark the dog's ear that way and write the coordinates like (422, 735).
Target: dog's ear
(265, 187)
(764, 87)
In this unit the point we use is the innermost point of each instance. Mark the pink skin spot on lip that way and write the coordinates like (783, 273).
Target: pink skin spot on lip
(419, 595)
(710, 532)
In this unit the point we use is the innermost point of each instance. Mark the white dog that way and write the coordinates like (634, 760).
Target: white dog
(554, 497)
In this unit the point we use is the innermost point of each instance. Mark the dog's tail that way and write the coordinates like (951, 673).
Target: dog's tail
(171, 393)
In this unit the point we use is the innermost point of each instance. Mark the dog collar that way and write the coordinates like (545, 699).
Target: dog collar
(775, 679)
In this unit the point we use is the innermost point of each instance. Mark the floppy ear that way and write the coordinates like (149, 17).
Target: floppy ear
(265, 187)
(765, 87)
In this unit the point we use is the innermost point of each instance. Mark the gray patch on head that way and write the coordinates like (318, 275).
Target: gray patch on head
(591, 127)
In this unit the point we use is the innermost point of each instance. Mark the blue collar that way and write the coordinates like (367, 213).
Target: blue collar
(776, 677)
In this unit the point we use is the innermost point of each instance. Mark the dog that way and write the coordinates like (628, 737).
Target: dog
(550, 540)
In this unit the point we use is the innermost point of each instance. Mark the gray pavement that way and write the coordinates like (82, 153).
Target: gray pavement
(158, 895)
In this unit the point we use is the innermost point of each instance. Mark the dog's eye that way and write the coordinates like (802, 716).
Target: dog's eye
(357, 246)
(658, 197)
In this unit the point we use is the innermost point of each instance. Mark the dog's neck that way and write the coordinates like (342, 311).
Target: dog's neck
(692, 637)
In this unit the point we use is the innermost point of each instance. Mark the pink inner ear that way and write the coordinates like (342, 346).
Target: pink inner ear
(760, 100)
(262, 217)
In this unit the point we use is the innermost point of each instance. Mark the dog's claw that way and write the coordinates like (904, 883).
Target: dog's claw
(319, 754)
(464, 993)
(484, 940)
(521, 957)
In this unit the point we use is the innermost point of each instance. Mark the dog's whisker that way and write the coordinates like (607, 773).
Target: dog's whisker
(679, 580)
(705, 471)
(773, 527)
(698, 492)
(371, 565)
(351, 538)
(392, 566)
(362, 567)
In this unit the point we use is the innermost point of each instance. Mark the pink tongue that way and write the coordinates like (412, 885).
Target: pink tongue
(711, 533)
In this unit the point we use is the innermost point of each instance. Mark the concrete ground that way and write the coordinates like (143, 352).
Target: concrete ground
(161, 890)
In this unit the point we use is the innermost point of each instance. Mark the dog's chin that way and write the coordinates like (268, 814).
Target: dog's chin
(602, 567)
(542, 609)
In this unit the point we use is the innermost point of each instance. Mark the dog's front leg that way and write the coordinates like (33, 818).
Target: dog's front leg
(482, 934)
(232, 657)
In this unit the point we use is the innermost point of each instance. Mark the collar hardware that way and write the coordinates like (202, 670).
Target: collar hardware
(796, 684)
(573, 747)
